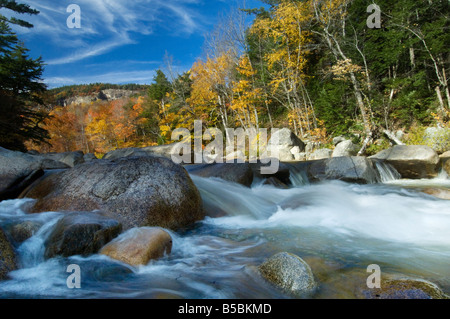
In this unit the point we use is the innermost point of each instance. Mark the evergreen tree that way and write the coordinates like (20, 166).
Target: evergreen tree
(21, 89)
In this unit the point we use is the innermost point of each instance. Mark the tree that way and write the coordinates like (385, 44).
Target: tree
(21, 88)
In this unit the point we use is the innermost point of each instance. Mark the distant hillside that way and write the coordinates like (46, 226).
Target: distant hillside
(86, 93)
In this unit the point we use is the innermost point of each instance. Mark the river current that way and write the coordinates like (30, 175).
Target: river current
(338, 228)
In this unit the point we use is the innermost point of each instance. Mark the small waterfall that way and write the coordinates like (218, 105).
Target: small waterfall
(297, 176)
(387, 172)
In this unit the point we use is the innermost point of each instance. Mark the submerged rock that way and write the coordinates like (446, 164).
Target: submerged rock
(438, 193)
(411, 161)
(81, 233)
(7, 256)
(138, 246)
(403, 288)
(288, 272)
(136, 191)
(24, 230)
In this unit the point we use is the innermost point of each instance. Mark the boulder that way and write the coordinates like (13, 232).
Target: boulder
(163, 150)
(80, 233)
(288, 272)
(411, 161)
(403, 288)
(285, 137)
(17, 171)
(338, 139)
(136, 191)
(320, 154)
(438, 138)
(125, 152)
(8, 261)
(240, 173)
(345, 148)
(89, 157)
(159, 150)
(354, 169)
(69, 158)
(138, 246)
(285, 143)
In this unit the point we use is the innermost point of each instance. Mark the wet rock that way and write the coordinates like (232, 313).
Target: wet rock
(20, 184)
(8, 261)
(240, 173)
(349, 169)
(411, 161)
(438, 193)
(138, 246)
(273, 181)
(24, 230)
(136, 191)
(403, 288)
(289, 273)
(81, 233)
(19, 170)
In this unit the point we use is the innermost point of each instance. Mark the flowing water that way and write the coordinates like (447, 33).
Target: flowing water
(338, 228)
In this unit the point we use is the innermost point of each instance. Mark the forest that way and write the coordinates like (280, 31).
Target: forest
(313, 66)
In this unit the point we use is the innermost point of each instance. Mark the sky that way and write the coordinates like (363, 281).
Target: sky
(119, 41)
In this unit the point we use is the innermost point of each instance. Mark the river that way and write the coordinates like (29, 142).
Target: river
(338, 228)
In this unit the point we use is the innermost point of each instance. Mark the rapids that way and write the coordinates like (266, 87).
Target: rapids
(336, 227)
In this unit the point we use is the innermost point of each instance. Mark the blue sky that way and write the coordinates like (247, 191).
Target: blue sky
(119, 41)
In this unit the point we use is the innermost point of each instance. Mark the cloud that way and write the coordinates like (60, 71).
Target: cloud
(109, 24)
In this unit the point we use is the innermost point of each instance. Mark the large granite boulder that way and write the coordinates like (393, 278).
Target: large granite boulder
(411, 161)
(136, 191)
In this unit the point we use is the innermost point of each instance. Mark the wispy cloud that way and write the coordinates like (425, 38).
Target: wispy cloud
(109, 24)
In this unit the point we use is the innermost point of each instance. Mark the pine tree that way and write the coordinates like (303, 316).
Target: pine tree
(21, 88)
